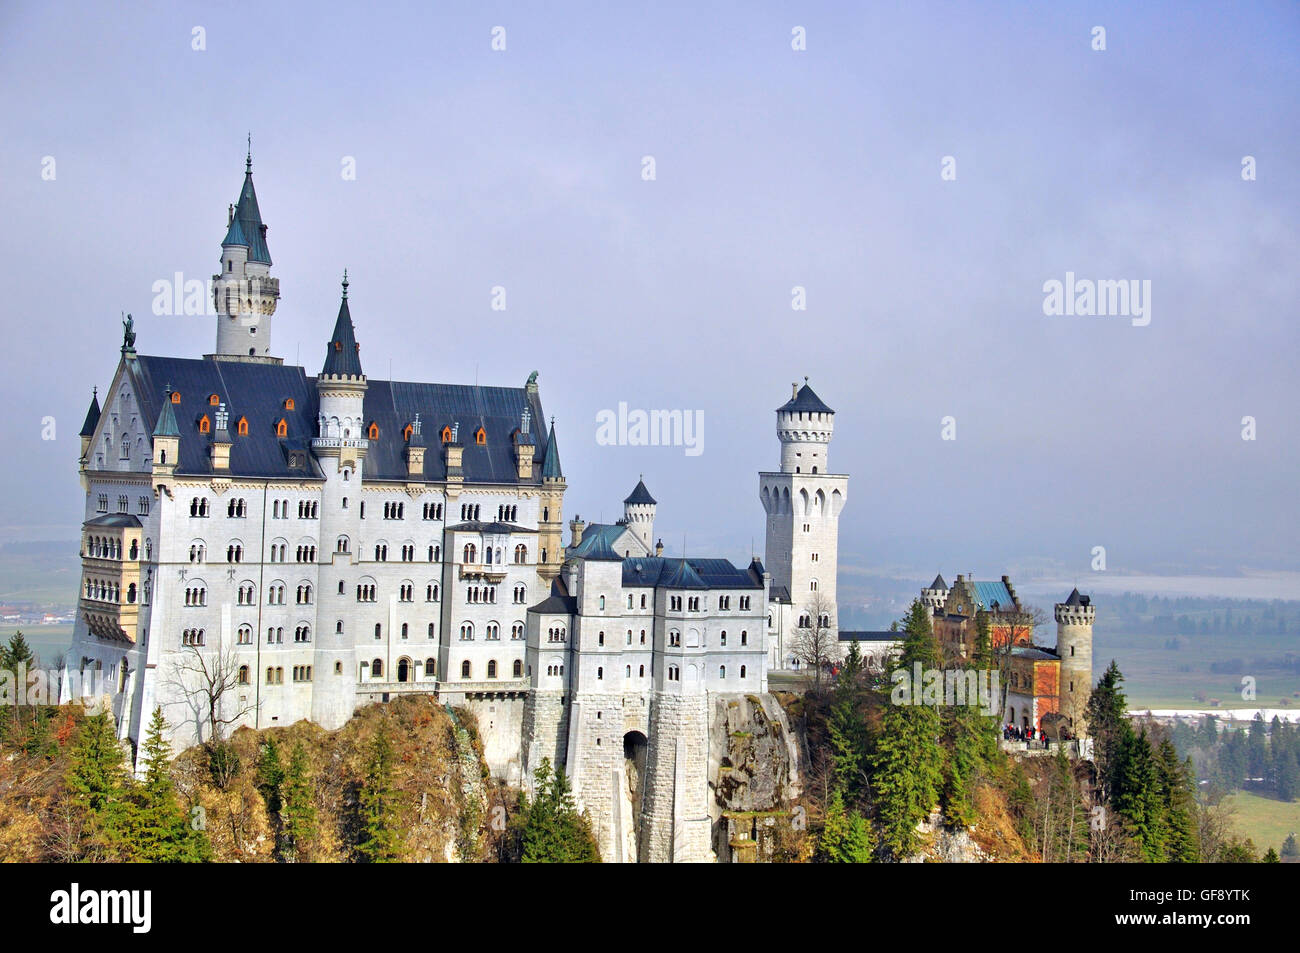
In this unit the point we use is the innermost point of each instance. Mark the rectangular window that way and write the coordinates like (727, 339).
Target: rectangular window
(103, 503)
(143, 509)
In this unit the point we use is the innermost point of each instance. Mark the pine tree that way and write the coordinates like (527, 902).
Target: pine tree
(156, 828)
(1271, 857)
(1178, 789)
(846, 835)
(554, 831)
(270, 775)
(1138, 795)
(1107, 724)
(1289, 848)
(299, 807)
(907, 761)
(379, 840)
(95, 784)
(846, 727)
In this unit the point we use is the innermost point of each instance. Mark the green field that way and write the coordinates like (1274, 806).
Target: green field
(1160, 677)
(47, 641)
(1264, 820)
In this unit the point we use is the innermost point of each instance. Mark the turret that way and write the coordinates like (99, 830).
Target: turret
(804, 425)
(166, 442)
(1074, 618)
(88, 427)
(935, 595)
(551, 526)
(244, 293)
(639, 513)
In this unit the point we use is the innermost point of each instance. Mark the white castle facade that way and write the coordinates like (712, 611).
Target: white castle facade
(262, 546)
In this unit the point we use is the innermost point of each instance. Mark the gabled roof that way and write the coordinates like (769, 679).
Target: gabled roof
(551, 463)
(246, 227)
(559, 602)
(92, 417)
(596, 547)
(807, 401)
(640, 494)
(492, 529)
(343, 354)
(987, 594)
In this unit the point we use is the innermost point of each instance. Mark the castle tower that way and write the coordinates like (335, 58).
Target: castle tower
(340, 448)
(244, 293)
(935, 595)
(550, 527)
(803, 501)
(639, 514)
(1074, 618)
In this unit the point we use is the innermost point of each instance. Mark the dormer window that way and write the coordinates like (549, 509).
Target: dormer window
(373, 431)
(241, 428)
(446, 435)
(214, 399)
(176, 397)
(480, 437)
(288, 403)
(205, 425)
(406, 434)
(281, 428)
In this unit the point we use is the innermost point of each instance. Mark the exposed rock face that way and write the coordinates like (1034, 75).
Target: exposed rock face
(753, 775)
(947, 845)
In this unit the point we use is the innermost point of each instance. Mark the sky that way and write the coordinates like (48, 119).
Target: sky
(828, 168)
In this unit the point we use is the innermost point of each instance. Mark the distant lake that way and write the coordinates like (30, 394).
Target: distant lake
(47, 641)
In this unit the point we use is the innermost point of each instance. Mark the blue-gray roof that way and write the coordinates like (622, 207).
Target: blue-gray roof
(559, 602)
(864, 635)
(595, 547)
(807, 401)
(551, 464)
(343, 354)
(640, 494)
(166, 426)
(990, 593)
(92, 417)
(258, 392)
(246, 227)
(677, 573)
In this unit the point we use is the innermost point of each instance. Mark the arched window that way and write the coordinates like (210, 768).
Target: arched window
(446, 435)
(241, 428)
(288, 403)
(464, 669)
(373, 431)
(430, 668)
(281, 428)
(176, 397)
(205, 425)
(518, 669)
(214, 400)
(377, 668)
(742, 671)
(492, 668)
(722, 671)
(480, 437)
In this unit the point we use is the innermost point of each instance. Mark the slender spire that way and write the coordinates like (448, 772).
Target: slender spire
(246, 226)
(343, 354)
(166, 426)
(551, 463)
(92, 415)
(248, 160)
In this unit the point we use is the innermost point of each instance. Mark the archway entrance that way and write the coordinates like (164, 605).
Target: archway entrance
(404, 670)
(635, 748)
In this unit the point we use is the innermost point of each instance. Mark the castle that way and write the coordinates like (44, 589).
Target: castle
(262, 546)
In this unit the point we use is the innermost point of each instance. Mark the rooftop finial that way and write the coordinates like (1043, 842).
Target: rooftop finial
(345, 282)
(248, 160)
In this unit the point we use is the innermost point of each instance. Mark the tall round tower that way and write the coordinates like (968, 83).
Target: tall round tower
(803, 501)
(244, 293)
(340, 449)
(639, 514)
(1074, 618)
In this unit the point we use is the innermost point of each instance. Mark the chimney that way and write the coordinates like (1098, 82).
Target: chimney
(794, 390)
(659, 548)
(576, 526)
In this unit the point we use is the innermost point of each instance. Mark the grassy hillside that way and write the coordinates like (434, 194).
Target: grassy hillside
(1265, 820)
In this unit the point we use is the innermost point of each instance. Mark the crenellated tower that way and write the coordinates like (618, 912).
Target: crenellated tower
(803, 501)
(1074, 618)
(639, 514)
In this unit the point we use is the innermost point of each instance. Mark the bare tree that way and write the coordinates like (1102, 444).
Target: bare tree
(209, 681)
(1006, 626)
(815, 644)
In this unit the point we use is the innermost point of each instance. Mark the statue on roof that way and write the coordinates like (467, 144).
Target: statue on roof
(128, 333)
(532, 378)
